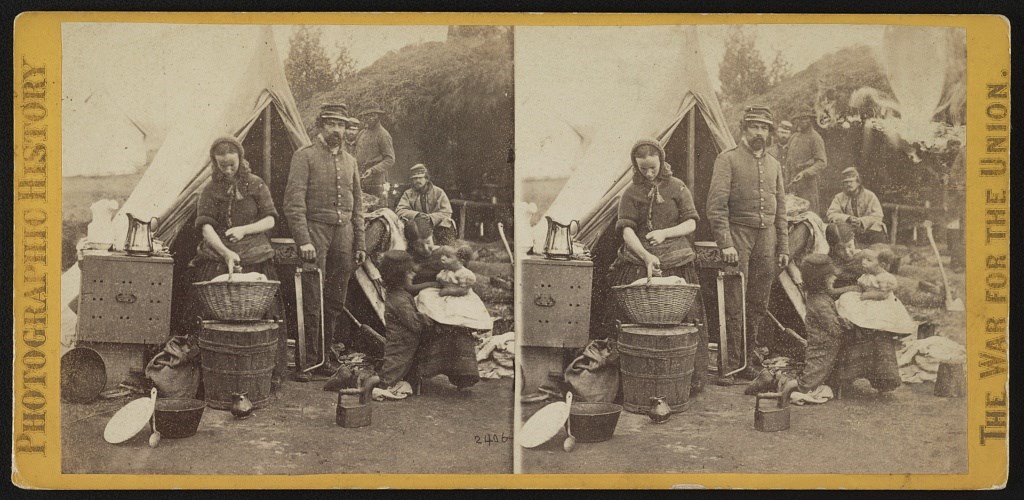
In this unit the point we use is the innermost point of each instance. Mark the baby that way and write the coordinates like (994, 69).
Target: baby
(875, 306)
(453, 302)
(876, 283)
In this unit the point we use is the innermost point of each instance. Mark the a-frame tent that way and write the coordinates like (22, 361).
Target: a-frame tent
(216, 80)
(604, 88)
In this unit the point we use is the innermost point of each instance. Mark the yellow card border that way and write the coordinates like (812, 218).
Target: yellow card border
(37, 229)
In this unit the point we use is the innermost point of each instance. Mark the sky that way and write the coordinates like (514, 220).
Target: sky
(365, 44)
(800, 45)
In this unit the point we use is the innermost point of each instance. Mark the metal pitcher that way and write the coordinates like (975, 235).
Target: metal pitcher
(558, 243)
(140, 236)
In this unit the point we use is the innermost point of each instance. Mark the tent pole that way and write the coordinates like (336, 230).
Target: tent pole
(690, 123)
(266, 144)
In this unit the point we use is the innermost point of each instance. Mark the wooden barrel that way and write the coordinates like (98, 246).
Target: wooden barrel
(656, 361)
(238, 357)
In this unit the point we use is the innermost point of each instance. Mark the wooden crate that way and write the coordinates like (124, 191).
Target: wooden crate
(125, 299)
(556, 302)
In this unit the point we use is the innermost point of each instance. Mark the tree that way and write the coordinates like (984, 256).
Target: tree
(779, 70)
(344, 65)
(307, 67)
(742, 73)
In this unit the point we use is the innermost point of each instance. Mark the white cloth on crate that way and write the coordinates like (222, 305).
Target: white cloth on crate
(887, 315)
(466, 310)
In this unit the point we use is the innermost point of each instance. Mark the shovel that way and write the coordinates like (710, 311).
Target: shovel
(501, 231)
(951, 303)
(368, 331)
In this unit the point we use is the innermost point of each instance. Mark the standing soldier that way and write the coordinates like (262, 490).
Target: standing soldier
(780, 146)
(747, 211)
(375, 153)
(805, 159)
(351, 135)
(324, 208)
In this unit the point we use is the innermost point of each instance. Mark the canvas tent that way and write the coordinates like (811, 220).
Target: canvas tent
(100, 138)
(239, 89)
(587, 102)
(604, 88)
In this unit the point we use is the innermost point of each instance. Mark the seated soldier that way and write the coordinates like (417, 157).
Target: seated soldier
(859, 208)
(424, 200)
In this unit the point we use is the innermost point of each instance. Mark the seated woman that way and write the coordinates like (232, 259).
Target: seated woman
(656, 218)
(418, 347)
(234, 213)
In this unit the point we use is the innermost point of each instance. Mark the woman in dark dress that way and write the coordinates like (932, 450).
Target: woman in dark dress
(657, 218)
(234, 214)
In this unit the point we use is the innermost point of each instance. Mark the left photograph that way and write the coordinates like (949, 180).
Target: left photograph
(286, 249)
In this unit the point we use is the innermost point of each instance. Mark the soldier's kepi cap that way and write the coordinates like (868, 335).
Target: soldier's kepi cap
(330, 111)
(761, 114)
(418, 170)
(372, 108)
(805, 111)
(786, 125)
(850, 173)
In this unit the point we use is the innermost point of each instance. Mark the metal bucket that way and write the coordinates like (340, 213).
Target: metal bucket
(238, 357)
(656, 361)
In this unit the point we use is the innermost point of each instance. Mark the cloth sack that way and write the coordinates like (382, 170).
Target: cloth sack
(594, 375)
(175, 371)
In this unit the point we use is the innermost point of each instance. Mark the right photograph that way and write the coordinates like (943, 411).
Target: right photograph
(740, 249)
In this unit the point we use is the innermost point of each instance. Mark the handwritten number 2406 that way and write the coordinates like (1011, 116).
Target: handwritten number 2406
(493, 438)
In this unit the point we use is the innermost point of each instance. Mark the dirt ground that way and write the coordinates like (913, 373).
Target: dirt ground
(913, 432)
(297, 434)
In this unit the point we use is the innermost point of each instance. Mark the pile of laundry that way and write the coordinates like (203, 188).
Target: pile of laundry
(496, 355)
(919, 359)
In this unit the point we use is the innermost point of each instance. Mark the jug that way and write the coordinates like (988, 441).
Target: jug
(140, 236)
(558, 243)
(241, 407)
(660, 410)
